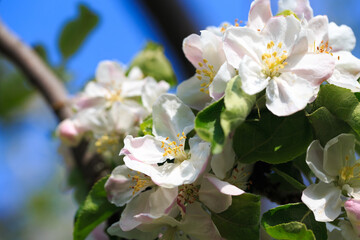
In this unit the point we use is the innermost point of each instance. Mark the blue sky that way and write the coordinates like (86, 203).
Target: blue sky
(29, 153)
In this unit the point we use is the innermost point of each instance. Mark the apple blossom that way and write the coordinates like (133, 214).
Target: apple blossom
(163, 157)
(277, 59)
(338, 171)
(352, 207)
(206, 54)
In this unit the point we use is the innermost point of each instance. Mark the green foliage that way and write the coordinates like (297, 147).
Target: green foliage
(288, 177)
(207, 125)
(76, 31)
(326, 126)
(241, 220)
(13, 91)
(342, 104)
(153, 62)
(93, 211)
(272, 139)
(237, 106)
(293, 221)
(146, 126)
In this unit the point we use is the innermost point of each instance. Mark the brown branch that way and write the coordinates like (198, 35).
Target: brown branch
(41, 77)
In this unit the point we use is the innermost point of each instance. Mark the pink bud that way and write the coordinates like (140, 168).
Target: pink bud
(68, 132)
(352, 208)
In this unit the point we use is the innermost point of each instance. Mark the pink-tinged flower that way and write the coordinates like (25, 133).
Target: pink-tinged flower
(301, 8)
(337, 41)
(338, 170)
(196, 224)
(163, 157)
(206, 53)
(352, 208)
(277, 59)
(259, 14)
(69, 132)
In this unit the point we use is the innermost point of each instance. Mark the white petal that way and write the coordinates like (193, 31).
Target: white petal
(109, 72)
(344, 80)
(240, 41)
(259, 14)
(222, 163)
(318, 27)
(189, 92)
(135, 73)
(339, 152)
(347, 63)
(132, 88)
(301, 8)
(192, 47)
(118, 186)
(315, 68)
(145, 149)
(288, 94)
(223, 76)
(115, 230)
(282, 29)
(198, 224)
(212, 49)
(171, 117)
(151, 91)
(324, 200)
(252, 79)
(341, 37)
(315, 160)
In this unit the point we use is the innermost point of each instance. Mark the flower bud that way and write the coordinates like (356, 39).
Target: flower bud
(69, 133)
(352, 208)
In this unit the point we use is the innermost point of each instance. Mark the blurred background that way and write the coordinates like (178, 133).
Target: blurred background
(35, 200)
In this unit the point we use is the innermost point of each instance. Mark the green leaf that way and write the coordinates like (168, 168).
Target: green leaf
(341, 103)
(272, 139)
(13, 90)
(326, 126)
(94, 211)
(153, 62)
(241, 219)
(293, 221)
(207, 125)
(237, 106)
(76, 31)
(294, 182)
(146, 126)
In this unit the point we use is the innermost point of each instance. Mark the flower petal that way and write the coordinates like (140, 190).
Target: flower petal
(189, 92)
(315, 161)
(222, 163)
(223, 76)
(252, 80)
(339, 152)
(146, 149)
(109, 72)
(192, 47)
(151, 91)
(115, 230)
(259, 14)
(288, 94)
(341, 37)
(240, 41)
(324, 200)
(171, 117)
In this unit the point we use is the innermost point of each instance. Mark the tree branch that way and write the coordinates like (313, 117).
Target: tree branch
(39, 74)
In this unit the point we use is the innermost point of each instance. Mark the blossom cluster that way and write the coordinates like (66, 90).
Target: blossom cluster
(170, 182)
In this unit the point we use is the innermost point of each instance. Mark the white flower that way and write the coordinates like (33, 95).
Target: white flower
(352, 208)
(163, 157)
(338, 171)
(337, 41)
(301, 8)
(277, 59)
(206, 53)
(196, 224)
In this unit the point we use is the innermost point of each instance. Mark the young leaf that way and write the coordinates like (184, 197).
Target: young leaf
(146, 126)
(326, 126)
(153, 62)
(75, 31)
(340, 102)
(272, 139)
(93, 211)
(238, 105)
(207, 125)
(293, 221)
(295, 183)
(241, 219)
